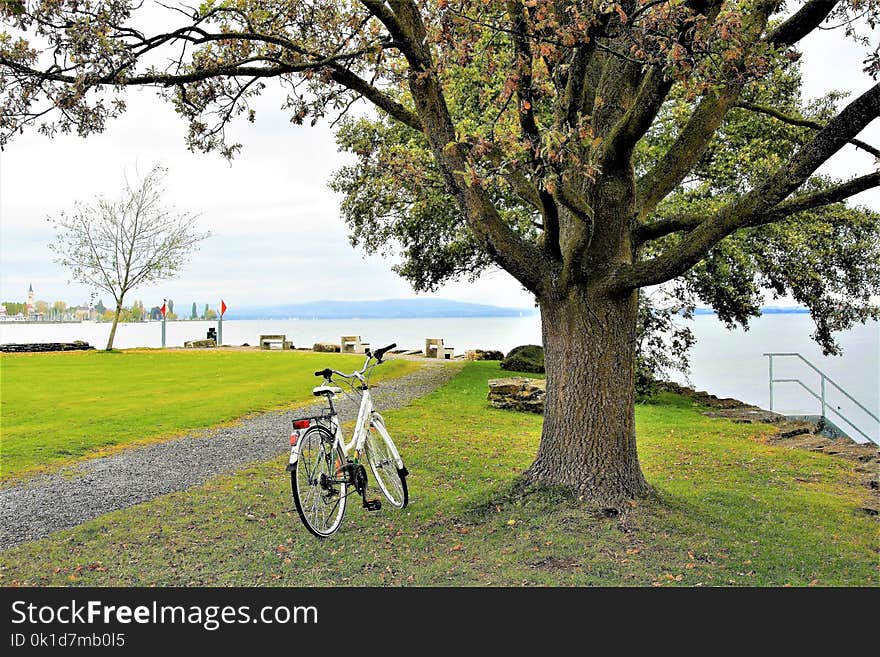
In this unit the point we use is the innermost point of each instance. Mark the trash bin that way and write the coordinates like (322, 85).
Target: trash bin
(212, 334)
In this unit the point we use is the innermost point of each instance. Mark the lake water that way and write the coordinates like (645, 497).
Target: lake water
(725, 363)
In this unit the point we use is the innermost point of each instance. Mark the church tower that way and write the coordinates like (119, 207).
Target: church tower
(30, 300)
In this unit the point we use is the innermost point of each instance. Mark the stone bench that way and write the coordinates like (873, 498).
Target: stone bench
(434, 348)
(266, 341)
(351, 344)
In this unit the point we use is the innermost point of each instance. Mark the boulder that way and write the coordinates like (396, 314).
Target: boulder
(525, 358)
(484, 354)
(326, 347)
(76, 345)
(518, 394)
(200, 344)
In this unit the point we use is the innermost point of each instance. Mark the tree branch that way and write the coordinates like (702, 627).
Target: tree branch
(802, 22)
(835, 194)
(652, 92)
(396, 28)
(657, 229)
(529, 125)
(749, 208)
(686, 151)
(638, 118)
(379, 98)
(523, 260)
(801, 122)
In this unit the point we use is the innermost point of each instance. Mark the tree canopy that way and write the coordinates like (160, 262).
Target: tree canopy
(826, 258)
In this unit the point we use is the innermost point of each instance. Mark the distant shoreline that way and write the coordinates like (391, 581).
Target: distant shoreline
(337, 317)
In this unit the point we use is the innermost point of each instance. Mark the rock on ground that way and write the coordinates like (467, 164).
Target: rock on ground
(518, 394)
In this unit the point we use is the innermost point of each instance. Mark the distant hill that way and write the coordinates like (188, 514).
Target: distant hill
(766, 310)
(382, 309)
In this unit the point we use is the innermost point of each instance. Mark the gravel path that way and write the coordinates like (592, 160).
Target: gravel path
(86, 490)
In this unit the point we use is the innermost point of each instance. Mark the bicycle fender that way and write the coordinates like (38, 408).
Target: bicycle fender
(294, 448)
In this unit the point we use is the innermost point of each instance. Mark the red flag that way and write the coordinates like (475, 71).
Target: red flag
(222, 307)
(163, 310)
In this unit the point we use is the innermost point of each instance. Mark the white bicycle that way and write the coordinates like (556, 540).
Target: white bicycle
(325, 470)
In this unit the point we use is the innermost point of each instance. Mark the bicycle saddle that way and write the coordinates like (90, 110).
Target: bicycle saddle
(324, 389)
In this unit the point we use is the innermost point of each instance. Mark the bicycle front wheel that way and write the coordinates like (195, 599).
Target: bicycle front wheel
(319, 487)
(382, 457)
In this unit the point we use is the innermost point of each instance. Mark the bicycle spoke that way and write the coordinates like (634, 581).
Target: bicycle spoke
(318, 493)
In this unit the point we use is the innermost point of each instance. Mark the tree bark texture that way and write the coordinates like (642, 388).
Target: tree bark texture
(588, 441)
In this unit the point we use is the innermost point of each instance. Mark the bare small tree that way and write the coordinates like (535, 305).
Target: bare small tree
(117, 245)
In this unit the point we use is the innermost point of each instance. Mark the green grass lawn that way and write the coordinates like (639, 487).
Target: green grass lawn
(60, 406)
(729, 510)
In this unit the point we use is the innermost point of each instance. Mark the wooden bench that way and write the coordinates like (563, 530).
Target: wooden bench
(434, 348)
(351, 344)
(266, 341)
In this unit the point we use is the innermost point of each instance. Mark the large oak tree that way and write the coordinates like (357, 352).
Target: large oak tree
(579, 142)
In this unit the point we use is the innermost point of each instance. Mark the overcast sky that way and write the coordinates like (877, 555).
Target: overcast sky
(277, 234)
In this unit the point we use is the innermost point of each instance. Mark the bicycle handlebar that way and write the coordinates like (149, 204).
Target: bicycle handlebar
(327, 372)
(381, 352)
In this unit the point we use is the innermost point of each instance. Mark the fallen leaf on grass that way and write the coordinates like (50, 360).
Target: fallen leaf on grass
(458, 547)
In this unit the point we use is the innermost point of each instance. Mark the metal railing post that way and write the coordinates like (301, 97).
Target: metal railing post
(822, 397)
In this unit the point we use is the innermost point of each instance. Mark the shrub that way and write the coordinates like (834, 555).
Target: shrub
(525, 358)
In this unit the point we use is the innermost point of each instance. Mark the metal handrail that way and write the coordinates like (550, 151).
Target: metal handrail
(821, 397)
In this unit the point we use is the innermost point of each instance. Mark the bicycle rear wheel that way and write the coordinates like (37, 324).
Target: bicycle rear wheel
(319, 487)
(383, 460)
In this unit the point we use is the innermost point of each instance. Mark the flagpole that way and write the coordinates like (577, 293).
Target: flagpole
(220, 331)
(164, 303)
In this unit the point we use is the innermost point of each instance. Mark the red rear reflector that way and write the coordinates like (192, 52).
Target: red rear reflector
(301, 424)
(294, 437)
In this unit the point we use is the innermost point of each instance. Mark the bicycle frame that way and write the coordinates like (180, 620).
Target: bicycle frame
(368, 418)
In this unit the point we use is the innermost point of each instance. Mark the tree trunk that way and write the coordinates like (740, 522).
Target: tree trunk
(113, 328)
(588, 442)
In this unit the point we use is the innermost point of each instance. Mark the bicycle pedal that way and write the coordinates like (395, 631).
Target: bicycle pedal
(372, 505)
